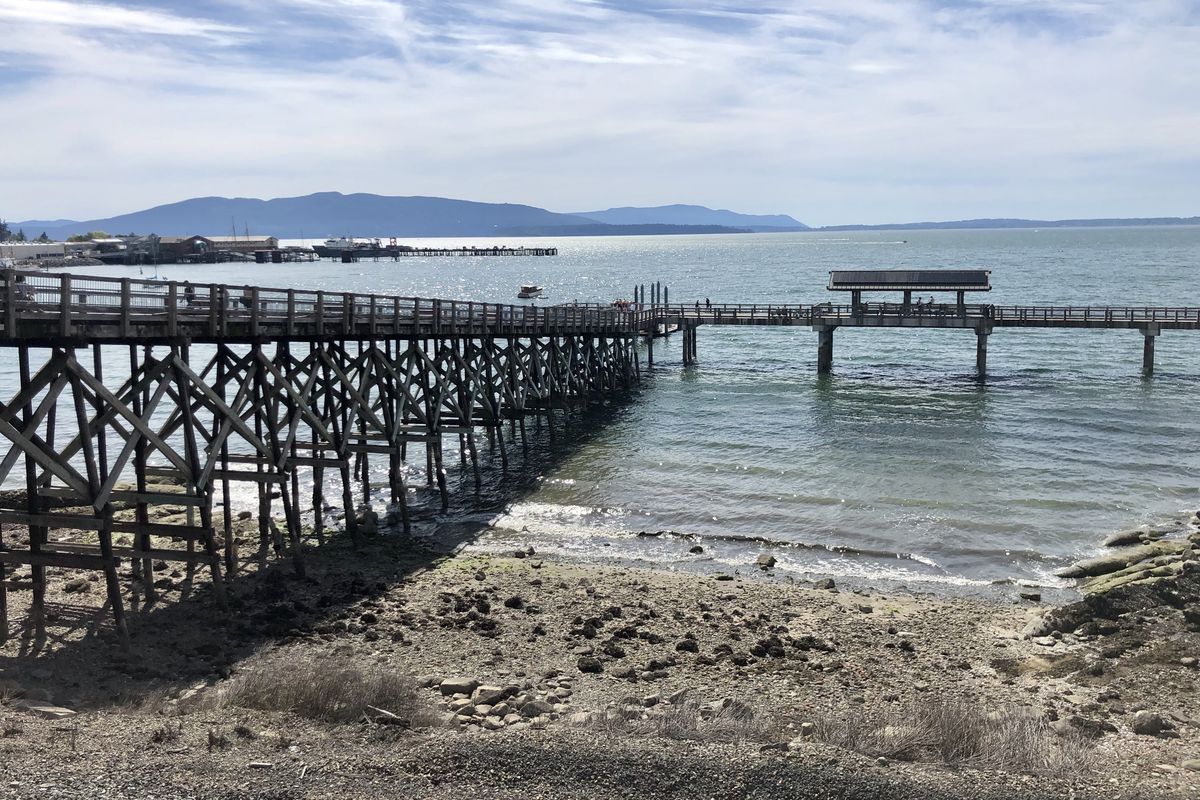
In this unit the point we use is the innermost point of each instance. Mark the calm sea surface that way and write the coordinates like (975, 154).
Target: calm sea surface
(901, 456)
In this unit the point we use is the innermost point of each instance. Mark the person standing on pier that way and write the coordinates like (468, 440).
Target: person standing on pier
(189, 293)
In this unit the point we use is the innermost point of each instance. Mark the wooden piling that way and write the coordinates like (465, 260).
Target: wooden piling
(825, 349)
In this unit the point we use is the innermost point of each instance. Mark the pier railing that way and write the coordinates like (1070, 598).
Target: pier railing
(43, 306)
(1000, 315)
(40, 305)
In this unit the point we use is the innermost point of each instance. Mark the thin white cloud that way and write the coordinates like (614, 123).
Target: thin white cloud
(102, 16)
(830, 110)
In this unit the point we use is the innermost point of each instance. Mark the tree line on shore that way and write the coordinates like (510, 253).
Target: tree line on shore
(7, 234)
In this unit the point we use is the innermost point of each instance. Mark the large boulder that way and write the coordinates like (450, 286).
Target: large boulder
(491, 695)
(536, 708)
(458, 685)
(1112, 562)
(1150, 723)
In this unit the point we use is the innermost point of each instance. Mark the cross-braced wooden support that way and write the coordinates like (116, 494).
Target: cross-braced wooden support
(119, 464)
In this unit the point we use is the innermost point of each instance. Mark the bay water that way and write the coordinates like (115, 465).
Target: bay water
(901, 466)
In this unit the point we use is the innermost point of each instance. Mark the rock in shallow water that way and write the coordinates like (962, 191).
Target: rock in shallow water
(1102, 565)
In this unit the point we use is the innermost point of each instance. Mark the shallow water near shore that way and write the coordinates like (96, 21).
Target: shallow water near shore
(899, 466)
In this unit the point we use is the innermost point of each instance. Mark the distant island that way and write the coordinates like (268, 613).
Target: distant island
(317, 216)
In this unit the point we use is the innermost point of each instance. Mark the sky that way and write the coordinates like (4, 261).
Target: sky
(833, 111)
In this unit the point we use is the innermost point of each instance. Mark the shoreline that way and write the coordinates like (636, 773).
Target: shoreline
(795, 654)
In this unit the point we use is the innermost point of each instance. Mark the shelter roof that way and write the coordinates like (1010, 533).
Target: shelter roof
(916, 280)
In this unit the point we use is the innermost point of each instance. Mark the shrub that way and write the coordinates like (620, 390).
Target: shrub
(688, 719)
(322, 689)
(167, 733)
(959, 734)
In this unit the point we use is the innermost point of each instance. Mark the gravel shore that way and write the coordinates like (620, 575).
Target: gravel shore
(547, 679)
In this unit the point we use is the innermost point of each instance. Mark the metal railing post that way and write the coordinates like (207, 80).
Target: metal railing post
(172, 309)
(64, 304)
(214, 298)
(10, 303)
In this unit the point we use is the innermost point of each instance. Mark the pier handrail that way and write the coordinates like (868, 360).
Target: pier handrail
(47, 306)
(210, 309)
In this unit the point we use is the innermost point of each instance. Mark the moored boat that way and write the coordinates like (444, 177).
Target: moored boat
(529, 292)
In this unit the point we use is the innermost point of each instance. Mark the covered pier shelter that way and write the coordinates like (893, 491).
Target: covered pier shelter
(905, 281)
(959, 281)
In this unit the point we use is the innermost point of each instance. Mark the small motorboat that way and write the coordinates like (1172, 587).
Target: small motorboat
(529, 292)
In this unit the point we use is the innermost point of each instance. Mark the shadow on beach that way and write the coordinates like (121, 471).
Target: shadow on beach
(183, 638)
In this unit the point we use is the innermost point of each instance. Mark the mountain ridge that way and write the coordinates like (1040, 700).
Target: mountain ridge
(321, 214)
(367, 215)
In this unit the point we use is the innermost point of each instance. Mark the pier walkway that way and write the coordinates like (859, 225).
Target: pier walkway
(218, 384)
(825, 318)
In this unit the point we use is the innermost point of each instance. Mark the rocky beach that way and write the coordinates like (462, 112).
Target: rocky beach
(412, 670)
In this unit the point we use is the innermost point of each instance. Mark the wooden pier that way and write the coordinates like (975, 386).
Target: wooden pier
(247, 384)
(981, 319)
(220, 384)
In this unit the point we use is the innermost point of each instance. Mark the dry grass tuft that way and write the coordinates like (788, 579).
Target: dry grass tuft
(959, 734)
(167, 733)
(689, 719)
(217, 740)
(325, 690)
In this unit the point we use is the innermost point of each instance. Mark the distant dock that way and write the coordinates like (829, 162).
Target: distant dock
(395, 254)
